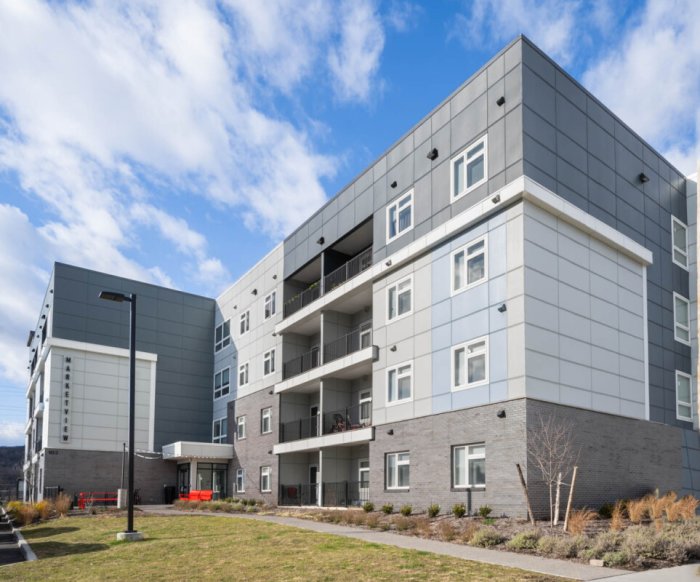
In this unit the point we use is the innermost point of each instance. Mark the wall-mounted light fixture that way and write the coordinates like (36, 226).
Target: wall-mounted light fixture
(496, 199)
(643, 178)
(394, 184)
(501, 413)
(390, 431)
(320, 241)
(50, 290)
(269, 452)
(254, 291)
(501, 100)
(502, 308)
(393, 348)
(274, 276)
(433, 154)
(271, 392)
(47, 306)
(388, 263)
(43, 317)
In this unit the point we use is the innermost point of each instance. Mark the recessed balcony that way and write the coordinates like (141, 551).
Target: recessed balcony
(342, 420)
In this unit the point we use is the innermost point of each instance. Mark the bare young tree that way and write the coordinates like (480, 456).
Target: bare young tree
(551, 450)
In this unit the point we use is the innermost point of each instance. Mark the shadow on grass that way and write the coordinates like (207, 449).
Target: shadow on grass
(57, 549)
(46, 532)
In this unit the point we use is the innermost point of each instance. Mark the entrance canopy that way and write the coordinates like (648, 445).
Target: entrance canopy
(186, 451)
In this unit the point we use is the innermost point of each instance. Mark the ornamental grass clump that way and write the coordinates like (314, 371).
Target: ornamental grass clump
(406, 509)
(62, 504)
(617, 517)
(579, 521)
(689, 507)
(447, 531)
(388, 508)
(637, 509)
(433, 510)
(459, 509)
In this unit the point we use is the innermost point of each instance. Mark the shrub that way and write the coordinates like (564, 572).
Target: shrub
(579, 520)
(641, 542)
(674, 511)
(404, 523)
(689, 506)
(372, 521)
(43, 509)
(683, 542)
(606, 510)
(356, 518)
(384, 526)
(388, 508)
(486, 537)
(28, 513)
(406, 509)
(433, 510)
(459, 509)
(603, 543)
(237, 506)
(485, 511)
(423, 527)
(251, 509)
(637, 509)
(447, 531)
(567, 547)
(525, 540)
(13, 508)
(368, 506)
(489, 521)
(617, 520)
(62, 503)
(612, 559)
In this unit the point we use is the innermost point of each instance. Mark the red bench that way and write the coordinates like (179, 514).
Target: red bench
(90, 497)
(198, 495)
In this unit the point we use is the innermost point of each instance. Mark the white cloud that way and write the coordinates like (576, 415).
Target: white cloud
(11, 433)
(402, 15)
(650, 78)
(355, 62)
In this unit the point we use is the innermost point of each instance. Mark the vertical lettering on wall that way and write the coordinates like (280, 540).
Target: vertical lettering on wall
(65, 400)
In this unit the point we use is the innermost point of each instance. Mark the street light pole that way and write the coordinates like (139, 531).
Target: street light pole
(130, 534)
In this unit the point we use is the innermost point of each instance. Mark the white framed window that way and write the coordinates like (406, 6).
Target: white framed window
(265, 479)
(469, 168)
(684, 407)
(399, 216)
(366, 407)
(219, 431)
(399, 299)
(270, 305)
(679, 235)
(268, 362)
(266, 420)
(222, 335)
(399, 383)
(240, 480)
(222, 383)
(469, 266)
(240, 427)
(470, 364)
(469, 465)
(681, 319)
(243, 374)
(398, 469)
(244, 326)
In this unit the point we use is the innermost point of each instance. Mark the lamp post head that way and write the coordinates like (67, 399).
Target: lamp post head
(114, 296)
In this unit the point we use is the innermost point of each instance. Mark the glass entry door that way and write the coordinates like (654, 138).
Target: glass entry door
(363, 478)
(313, 484)
(183, 478)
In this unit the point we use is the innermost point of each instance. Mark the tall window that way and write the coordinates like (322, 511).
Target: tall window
(219, 431)
(222, 335)
(221, 383)
(399, 301)
(681, 318)
(365, 407)
(265, 479)
(243, 374)
(469, 465)
(270, 305)
(398, 467)
(240, 481)
(469, 265)
(240, 427)
(268, 362)
(399, 217)
(679, 234)
(398, 382)
(266, 420)
(470, 168)
(470, 364)
(245, 322)
(684, 407)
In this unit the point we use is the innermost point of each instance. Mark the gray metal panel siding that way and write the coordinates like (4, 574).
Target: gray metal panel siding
(575, 147)
(175, 325)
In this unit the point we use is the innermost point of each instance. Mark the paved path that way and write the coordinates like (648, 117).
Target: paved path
(686, 573)
(538, 564)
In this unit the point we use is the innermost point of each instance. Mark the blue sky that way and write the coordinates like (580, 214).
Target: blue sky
(178, 142)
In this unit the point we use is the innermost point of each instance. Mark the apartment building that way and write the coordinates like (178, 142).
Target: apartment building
(520, 254)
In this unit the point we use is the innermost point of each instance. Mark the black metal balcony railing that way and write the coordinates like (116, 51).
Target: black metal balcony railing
(301, 364)
(358, 339)
(304, 428)
(353, 267)
(348, 418)
(37, 446)
(298, 494)
(345, 494)
(308, 295)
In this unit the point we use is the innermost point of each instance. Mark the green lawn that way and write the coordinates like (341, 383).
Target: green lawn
(221, 548)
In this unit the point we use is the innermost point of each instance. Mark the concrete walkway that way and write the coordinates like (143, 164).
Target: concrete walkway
(528, 562)
(685, 573)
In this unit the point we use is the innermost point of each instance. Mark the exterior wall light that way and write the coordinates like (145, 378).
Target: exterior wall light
(393, 348)
(501, 413)
(501, 100)
(254, 291)
(320, 241)
(388, 263)
(643, 178)
(496, 199)
(394, 184)
(433, 154)
(390, 431)
(503, 308)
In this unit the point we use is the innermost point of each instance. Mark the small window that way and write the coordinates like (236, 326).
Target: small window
(240, 481)
(399, 299)
(470, 364)
(684, 407)
(222, 335)
(265, 479)
(469, 169)
(243, 374)
(469, 265)
(681, 318)
(245, 322)
(268, 362)
(219, 431)
(266, 420)
(399, 217)
(398, 467)
(240, 427)
(221, 383)
(679, 233)
(366, 407)
(399, 380)
(469, 465)
(270, 305)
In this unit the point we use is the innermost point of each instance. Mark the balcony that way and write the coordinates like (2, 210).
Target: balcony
(37, 446)
(39, 410)
(301, 364)
(345, 419)
(338, 494)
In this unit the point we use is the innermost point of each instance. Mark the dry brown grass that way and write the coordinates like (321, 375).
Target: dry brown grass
(657, 506)
(688, 507)
(617, 519)
(447, 531)
(674, 511)
(423, 528)
(468, 532)
(637, 509)
(44, 509)
(62, 504)
(28, 513)
(372, 520)
(579, 520)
